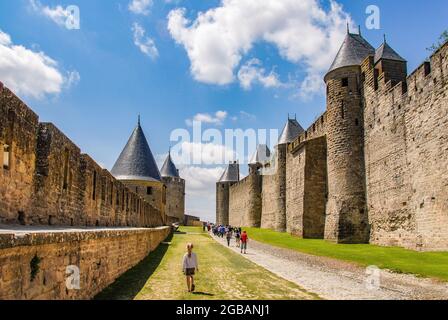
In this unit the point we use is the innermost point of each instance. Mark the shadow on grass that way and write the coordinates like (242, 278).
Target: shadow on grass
(204, 294)
(129, 284)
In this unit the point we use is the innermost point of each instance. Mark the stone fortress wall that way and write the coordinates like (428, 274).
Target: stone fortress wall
(372, 168)
(55, 206)
(46, 180)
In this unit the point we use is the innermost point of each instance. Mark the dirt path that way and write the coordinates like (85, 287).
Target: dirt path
(338, 280)
(224, 275)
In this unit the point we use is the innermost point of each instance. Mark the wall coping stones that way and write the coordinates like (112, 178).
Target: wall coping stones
(20, 236)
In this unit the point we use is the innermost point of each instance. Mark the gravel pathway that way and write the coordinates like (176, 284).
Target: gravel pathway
(338, 280)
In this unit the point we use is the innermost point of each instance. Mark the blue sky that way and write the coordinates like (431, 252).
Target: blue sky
(143, 58)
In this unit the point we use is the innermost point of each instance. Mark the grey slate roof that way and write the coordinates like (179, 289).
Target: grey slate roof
(353, 51)
(261, 156)
(231, 174)
(169, 169)
(290, 132)
(386, 52)
(136, 161)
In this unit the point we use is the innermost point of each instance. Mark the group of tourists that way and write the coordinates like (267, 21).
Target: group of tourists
(228, 232)
(190, 261)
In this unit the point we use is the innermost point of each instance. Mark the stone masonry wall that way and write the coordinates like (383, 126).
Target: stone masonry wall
(306, 189)
(406, 146)
(49, 181)
(222, 203)
(34, 267)
(245, 202)
(175, 198)
(18, 129)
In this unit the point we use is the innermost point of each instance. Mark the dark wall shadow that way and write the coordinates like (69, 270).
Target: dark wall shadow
(130, 283)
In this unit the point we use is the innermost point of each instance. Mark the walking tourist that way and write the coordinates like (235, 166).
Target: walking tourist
(229, 236)
(237, 238)
(190, 267)
(244, 240)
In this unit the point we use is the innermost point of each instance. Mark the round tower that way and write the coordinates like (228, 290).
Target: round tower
(229, 177)
(175, 191)
(346, 213)
(137, 169)
(290, 132)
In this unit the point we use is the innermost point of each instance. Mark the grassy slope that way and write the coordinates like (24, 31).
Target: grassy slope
(223, 275)
(427, 264)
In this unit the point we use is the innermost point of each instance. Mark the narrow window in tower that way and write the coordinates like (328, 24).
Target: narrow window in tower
(94, 186)
(111, 194)
(342, 110)
(376, 74)
(356, 122)
(363, 77)
(6, 156)
(344, 82)
(66, 158)
(103, 189)
(149, 191)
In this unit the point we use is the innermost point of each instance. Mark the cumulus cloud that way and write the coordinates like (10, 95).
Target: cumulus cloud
(199, 181)
(57, 14)
(146, 45)
(216, 41)
(218, 118)
(31, 73)
(252, 72)
(203, 153)
(140, 6)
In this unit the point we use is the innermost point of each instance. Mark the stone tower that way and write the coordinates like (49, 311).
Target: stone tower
(255, 179)
(229, 177)
(175, 191)
(137, 169)
(274, 199)
(390, 64)
(346, 212)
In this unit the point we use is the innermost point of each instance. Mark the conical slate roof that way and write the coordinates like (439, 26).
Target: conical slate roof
(290, 132)
(231, 174)
(136, 161)
(386, 52)
(169, 169)
(261, 155)
(353, 51)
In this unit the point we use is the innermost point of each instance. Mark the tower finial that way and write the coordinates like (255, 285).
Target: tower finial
(348, 27)
(384, 38)
(359, 29)
(139, 119)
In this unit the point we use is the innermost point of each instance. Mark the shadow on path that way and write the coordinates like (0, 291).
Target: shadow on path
(129, 284)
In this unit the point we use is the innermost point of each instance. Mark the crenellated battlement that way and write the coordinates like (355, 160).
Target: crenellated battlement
(46, 180)
(372, 168)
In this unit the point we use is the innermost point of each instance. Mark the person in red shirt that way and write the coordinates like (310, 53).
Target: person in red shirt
(244, 240)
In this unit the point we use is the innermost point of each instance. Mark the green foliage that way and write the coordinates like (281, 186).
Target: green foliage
(34, 267)
(425, 264)
(441, 41)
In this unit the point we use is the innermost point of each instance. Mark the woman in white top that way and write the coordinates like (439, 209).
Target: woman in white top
(190, 266)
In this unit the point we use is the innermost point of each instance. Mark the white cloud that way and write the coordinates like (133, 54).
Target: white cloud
(252, 72)
(203, 153)
(57, 14)
(140, 6)
(216, 41)
(146, 45)
(199, 181)
(218, 118)
(31, 73)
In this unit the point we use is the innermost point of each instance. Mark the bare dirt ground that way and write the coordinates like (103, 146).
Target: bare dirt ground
(339, 280)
